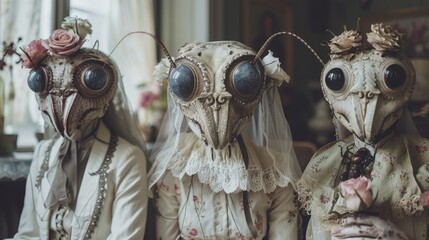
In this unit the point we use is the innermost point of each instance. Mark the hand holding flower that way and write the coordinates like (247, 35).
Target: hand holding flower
(424, 199)
(357, 193)
(366, 226)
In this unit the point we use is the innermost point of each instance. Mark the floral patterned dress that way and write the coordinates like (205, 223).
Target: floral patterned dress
(400, 173)
(199, 206)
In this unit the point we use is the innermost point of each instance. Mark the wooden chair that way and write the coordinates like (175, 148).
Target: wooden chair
(304, 151)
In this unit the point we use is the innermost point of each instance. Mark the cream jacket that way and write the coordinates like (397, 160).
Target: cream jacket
(112, 200)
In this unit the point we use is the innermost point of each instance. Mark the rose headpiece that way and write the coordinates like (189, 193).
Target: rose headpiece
(382, 38)
(63, 42)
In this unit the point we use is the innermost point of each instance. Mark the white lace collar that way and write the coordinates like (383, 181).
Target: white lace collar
(224, 170)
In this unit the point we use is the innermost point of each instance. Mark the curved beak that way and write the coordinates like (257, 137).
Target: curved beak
(363, 119)
(57, 106)
(214, 120)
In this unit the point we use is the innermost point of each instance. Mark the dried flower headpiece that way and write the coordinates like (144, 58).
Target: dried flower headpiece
(382, 38)
(345, 43)
(62, 43)
(385, 38)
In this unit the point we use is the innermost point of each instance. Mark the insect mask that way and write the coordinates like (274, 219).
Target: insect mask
(368, 87)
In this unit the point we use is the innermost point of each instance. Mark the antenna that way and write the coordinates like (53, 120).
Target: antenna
(161, 45)
(264, 47)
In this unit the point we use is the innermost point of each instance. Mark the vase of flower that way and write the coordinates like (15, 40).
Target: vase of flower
(152, 105)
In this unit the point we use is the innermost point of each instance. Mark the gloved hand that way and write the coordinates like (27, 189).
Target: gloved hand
(368, 227)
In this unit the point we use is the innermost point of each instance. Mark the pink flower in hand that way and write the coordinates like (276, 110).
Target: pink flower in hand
(193, 232)
(34, 52)
(424, 198)
(63, 43)
(357, 193)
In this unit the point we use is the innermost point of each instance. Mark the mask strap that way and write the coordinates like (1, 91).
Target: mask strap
(246, 206)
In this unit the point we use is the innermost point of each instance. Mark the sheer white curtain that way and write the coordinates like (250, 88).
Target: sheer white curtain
(137, 54)
(19, 18)
(113, 19)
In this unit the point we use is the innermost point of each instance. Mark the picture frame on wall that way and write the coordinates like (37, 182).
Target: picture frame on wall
(414, 23)
(263, 18)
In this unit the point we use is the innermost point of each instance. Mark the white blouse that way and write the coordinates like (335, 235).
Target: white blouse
(191, 210)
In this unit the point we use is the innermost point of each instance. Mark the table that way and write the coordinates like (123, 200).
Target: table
(13, 173)
(16, 166)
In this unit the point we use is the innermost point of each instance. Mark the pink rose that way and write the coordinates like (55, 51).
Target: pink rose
(148, 95)
(63, 43)
(34, 52)
(424, 198)
(193, 232)
(357, 193)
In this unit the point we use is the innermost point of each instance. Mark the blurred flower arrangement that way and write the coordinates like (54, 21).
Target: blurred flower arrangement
(6, 98)
(9, 50)
(153, 101)
(152, 96)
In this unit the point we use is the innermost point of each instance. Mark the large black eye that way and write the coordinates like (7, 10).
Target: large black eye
(182, 82)
(95, 78)
(37, 80)
(394, 76)
(247, 79)
(335, 79)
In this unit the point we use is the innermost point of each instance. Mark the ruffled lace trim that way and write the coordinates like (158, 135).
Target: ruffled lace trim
(228, 175)
(304, 195)
(407, 207)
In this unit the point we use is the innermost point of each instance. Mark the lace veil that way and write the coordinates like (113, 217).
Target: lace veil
(267, 129)
(121, 119)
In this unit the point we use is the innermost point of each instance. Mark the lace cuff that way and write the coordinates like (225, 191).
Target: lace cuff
(304, 195)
